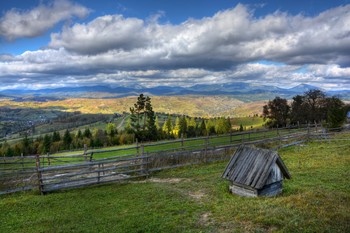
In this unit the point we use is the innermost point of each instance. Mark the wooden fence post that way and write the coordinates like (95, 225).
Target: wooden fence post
(48, 159)
(22, 161)
(206, 144)
(85, 152)
(39, 175)
(137, 147)
(182, 141)
(98, 173)
(145, 160)
(316, 126)
(142, 153)
(142, 149)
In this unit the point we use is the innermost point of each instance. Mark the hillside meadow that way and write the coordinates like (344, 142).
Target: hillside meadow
(196, 106)
(196, 199)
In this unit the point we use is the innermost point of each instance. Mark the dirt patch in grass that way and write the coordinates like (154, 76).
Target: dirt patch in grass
(205, 219)
(158, 180)
(197, 195)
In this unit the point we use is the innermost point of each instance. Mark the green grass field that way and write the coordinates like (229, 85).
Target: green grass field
(196, 199)
(191, 144)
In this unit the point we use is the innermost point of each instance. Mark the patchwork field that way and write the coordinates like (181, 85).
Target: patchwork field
(196, 199)
(199, 106)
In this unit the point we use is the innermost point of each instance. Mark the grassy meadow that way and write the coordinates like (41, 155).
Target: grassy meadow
(196, 199)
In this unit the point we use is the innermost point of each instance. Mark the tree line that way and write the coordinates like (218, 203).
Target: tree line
(55, 142)
(314, 106)
(144, 124)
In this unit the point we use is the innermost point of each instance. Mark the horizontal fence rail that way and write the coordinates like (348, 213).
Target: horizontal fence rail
(54, 172)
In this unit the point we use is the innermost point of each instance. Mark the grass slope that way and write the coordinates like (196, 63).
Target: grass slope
(196, 199)
(200, 106)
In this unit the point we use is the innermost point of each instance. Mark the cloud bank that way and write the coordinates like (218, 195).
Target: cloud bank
(230, 46)
(17, 24)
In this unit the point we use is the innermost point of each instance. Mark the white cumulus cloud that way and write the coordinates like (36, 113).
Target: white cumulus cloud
(16, 24)
(226, 47)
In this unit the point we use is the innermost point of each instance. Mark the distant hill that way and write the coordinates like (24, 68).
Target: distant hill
(196, 106)
(243, 91)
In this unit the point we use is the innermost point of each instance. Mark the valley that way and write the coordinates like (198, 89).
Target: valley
(196, 106)
(25, 116)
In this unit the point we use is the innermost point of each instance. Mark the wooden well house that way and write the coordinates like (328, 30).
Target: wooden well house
(255, 172)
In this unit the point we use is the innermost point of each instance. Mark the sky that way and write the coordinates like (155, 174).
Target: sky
(67, 43)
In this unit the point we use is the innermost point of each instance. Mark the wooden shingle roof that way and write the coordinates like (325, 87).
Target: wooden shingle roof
(251, 166)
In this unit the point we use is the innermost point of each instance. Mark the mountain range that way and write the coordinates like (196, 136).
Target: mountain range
(244, 91)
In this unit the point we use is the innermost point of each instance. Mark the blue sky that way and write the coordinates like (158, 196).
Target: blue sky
(47, 44)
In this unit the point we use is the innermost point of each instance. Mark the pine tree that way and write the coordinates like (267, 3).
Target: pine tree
(151, 126)
(210, 127)
(157, 123)
(177, 123)
(25, 145)
(183, 126)
(143, 110)
(67, 139)
(168, 126)
(79, 134)
(203, 128)
(56, 137)
(47, 143)
(87, 133)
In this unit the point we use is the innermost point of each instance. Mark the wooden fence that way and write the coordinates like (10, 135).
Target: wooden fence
(52, 172)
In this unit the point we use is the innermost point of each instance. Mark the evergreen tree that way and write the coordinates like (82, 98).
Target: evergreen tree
(228, 125)
(25, 145)
(87, 133)
(80, 134)
(168, 126)
(56, 137)
(157, 123)
(241, 127)
(67, 139)
(151, 124)
(143, 110)
(47, 143)
(203, 128)
(192, 122)
(183, 126)
(210, 127)
(10, 152)
(191, 127)
(100, 138)
(177, 123)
